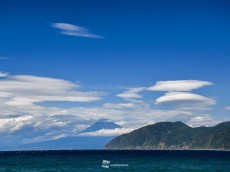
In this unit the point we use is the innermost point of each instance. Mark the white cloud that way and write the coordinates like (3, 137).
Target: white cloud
(184, 96)
(179, 85)
(74, 30)
(13, 124)
(227, 108)
(45, 123)
(108, 132)
(178, 94)
(119, 105)
(23, 90)
(23, 117)
(131, 93)
(202, 120)
(185, 100)
(3, 74)
(121, 123)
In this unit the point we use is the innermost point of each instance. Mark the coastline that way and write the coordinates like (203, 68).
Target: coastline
(117, 150)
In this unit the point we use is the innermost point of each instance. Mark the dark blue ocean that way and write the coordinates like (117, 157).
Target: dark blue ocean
(116, 160)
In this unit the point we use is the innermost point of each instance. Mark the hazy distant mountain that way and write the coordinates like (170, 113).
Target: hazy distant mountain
(76, 142)
(101, 124)
(174, 135)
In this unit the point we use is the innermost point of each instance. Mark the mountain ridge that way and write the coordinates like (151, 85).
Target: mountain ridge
(99, 125)
(174, 135)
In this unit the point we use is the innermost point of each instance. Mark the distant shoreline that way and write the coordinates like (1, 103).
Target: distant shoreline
(104, 150)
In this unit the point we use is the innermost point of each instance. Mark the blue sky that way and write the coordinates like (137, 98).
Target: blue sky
(92, 55)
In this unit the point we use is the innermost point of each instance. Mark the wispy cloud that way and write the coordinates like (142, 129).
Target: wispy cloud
(3, 74)
(24, 90)
(119, 105)
(4, 58)
(74, 30)
(179, 85)
(131, 93)
(108, 132)
(227, 108)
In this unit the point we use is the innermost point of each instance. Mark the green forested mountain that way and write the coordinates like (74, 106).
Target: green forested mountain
(174, 135)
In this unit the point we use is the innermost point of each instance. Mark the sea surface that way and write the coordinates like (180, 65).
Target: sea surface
(115, 160)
